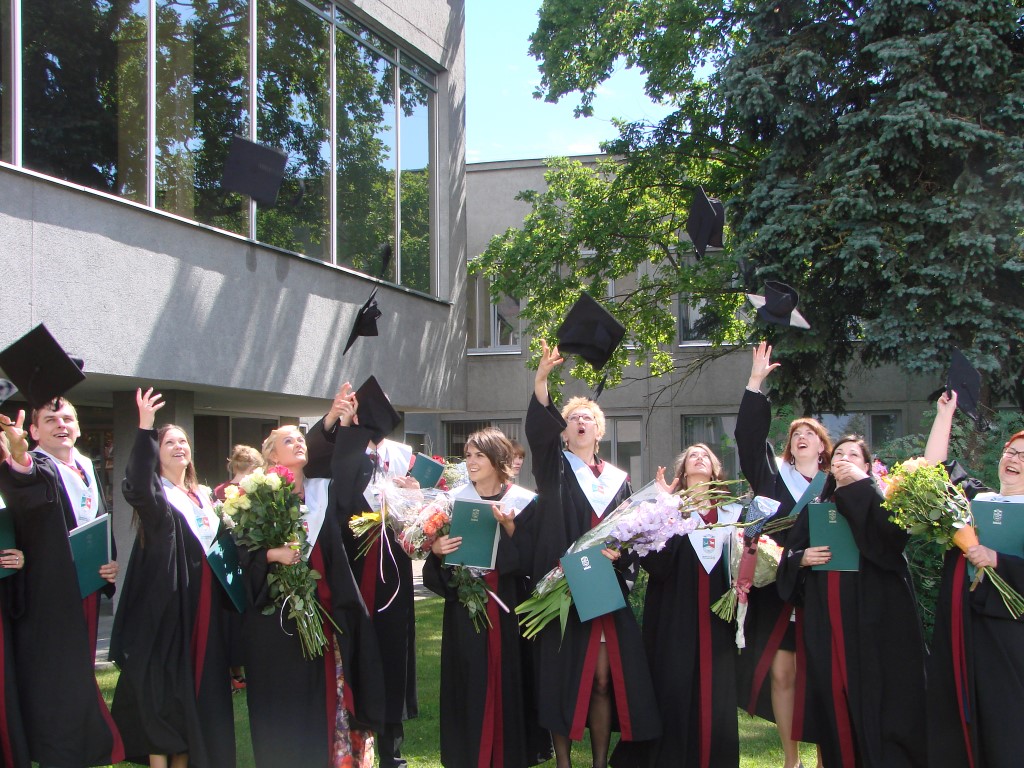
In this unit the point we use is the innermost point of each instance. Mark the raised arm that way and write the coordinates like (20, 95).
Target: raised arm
(548, 360)
(937, 448)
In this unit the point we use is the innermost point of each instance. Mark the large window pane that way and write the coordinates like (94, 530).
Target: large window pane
(293, 102)
(6, 86)
(716, 432)
(415, 184)
(84, 92)
(366, 159)
(202, 100)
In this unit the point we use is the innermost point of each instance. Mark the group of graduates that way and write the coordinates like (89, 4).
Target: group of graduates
(834, 658)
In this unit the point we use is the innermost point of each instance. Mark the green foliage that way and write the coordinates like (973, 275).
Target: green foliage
(637, 595)
(870, 154)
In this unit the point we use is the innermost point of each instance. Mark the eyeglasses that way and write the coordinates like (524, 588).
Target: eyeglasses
(1013, 453)
(583, 418)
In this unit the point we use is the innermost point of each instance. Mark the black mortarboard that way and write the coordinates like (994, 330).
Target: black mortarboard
(706, 222)
(778, 305)
(590, 331)
(374, 410)
(366, 320)
(39, 368)
(965, 380)
(254, 169)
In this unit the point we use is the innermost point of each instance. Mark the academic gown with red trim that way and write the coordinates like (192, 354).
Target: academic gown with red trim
(174, 691)
(564, 666)
(692, 654)
(13, 743)
(293, 700)
(341, 454)
(976, 667)
(484, 719)
(54, 629)
(768, 621)
(863, 639)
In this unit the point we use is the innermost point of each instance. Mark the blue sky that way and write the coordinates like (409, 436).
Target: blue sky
(504, 121)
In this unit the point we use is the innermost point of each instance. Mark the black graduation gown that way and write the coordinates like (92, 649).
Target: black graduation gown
(976, 668)
(768, 627)
(293, 701)
(66, 721)
(13, 742)
(692, 654)
(564, 665)
(174, 691)
(481, 673)
(863, 638)
(395, 624)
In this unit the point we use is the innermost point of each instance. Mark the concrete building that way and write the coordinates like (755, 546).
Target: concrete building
(649, 420)
(116, 232)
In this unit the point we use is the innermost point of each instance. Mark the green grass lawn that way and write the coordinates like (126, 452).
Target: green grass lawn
(759, 746)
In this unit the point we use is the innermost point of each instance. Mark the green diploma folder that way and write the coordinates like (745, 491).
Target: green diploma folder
(829, 528)
(6, 537)
(592, 581)
(474, 522)
(427, 470)
(1000, 526)
(90, 548)
(223, 560)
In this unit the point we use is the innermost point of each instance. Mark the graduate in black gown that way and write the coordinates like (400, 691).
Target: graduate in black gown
(865, 647)
(54, 630)
(359, 458)
(691, 651)
(771, 671)
(485, 720)
(596, 675)
(173, 697)
(13, 744)
(976, 667)
(317, 712)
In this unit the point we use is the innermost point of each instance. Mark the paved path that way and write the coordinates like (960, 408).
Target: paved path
(106, 621)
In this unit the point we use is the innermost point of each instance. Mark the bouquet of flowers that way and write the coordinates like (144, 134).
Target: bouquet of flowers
(265, 512)
(643, 523)
(755, 561)
(920, 498)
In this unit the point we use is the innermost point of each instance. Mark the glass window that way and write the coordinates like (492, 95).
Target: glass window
(622, 443)
(689, 318)
(492, 325)
(716, 432)
(202, 80)
(458, 431)
(366, 155)
(293, 103)
(6, 87)
(84, 94)
(415, 181)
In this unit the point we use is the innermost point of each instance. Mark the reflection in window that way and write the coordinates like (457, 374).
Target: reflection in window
(491, 325)
(293, 102)
(365, 158)
(202, 100)
(84, 93)
(6, 89)
(414, 176)
(876, 428)
(716, 432)
(621, 446)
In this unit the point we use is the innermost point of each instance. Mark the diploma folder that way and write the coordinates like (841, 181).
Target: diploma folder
(426, 470)
(6, 537)
(90, 548)
(592, 581)
(223, 560)
(1000, 526)
(474, 522)
(829, 528)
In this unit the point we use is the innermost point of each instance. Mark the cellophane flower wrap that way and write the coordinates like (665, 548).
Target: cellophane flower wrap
(265, 512)
(754, 562)
(920, 498)
(643, 523)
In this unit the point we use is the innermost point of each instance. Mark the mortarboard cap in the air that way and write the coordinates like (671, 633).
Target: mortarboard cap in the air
(965, 380)
(705, 224)
(778, 305)
(254, 169)
(366, 321)
(40, 369)
(590, 331)
(374, 410)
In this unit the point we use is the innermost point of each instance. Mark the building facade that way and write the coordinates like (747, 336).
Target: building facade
(116, 232)
(649, 420)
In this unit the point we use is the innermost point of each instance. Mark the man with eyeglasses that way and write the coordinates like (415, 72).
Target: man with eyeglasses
(976, 671)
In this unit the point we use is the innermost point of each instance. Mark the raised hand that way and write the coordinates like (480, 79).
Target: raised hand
(17, 437)
(664, 487)
(343, 408)
(761, 366)
(549, 358)
(149, 403)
